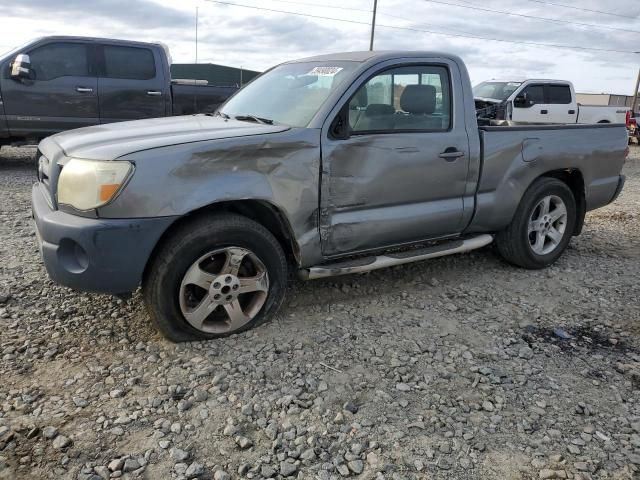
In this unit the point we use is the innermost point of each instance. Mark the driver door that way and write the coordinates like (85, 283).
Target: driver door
(534, 110)
(401, 174)
(61, 93)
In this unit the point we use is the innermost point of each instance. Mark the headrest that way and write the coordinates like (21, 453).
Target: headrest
(418, 99)
(359, 100)
(379, 109)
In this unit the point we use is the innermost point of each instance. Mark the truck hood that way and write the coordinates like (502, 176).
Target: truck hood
(113, 140)
(487, 100)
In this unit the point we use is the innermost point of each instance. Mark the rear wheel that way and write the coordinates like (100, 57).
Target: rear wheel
(542, 227)
(215, 276)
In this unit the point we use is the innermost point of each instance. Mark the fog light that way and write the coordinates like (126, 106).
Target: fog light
(72, 256)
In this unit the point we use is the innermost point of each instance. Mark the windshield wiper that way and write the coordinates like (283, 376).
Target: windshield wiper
(253, 118)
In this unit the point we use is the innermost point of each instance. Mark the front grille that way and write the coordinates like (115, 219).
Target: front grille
(48, 173)
(44, 169)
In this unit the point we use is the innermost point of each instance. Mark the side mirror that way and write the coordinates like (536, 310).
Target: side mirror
(522, 101)
(340, 128)
(21, 66)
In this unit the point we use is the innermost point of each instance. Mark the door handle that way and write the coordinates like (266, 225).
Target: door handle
(544, 112)
(571, 112)
(154, 93)
(451, 154)
(84, 90)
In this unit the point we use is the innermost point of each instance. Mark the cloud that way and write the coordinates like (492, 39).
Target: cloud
(284, 36)
(454, 21)
(257, 39)
(133, 13)
(281, 32)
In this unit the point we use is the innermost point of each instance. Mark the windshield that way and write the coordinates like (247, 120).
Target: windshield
(495, 90)
(291, 93)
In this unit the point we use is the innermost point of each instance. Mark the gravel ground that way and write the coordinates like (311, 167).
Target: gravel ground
(448, 368)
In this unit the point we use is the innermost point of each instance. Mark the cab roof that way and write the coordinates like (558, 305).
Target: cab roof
(92, 39)
(375, 56)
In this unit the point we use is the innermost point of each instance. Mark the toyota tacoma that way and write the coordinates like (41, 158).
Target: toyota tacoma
(330, 165)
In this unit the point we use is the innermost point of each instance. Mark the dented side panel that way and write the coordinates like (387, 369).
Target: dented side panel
(382, 190)
(392, 188)
(280, 169)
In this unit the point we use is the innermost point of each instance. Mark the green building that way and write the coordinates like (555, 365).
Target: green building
(219, 75)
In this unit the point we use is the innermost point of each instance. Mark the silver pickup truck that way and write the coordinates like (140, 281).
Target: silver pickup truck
(328, 165)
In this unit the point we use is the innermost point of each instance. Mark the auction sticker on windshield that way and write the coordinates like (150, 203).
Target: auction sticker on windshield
(324, 71)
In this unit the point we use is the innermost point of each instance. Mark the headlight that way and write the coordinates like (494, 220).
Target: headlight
(88, 184)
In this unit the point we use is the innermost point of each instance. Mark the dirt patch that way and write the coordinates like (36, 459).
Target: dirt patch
(579, 339)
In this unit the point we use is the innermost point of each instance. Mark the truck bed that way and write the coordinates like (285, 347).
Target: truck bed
(196, 98)
(513, 156)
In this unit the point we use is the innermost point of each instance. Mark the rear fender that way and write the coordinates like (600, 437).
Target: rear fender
(515, 158)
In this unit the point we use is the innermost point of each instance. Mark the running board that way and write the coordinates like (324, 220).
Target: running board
(366, 264)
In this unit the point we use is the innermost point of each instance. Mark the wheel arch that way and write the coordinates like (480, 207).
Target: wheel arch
(498, 201)
(514, 242)
(260, 211)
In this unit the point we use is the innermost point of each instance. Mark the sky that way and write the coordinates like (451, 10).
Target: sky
(257, 39)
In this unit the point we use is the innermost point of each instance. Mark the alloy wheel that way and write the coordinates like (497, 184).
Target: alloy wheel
(223, 290)
(547, 225)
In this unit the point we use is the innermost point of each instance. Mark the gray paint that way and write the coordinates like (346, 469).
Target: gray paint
(281, 169)
(373, 185)
(341, 197)
(596, 151)
(112, 141)
(115, 251)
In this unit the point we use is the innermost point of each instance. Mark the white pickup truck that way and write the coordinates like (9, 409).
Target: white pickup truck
(540, 101)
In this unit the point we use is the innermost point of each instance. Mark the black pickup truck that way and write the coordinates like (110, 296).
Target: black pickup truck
(58, 83)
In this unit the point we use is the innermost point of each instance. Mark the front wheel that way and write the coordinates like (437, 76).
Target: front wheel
(542, 227)
(215, 276)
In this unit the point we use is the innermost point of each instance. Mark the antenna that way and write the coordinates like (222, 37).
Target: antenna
(373, 23)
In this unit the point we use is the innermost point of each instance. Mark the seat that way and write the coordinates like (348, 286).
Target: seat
(418, 102)
(357, 107)
(377, 116)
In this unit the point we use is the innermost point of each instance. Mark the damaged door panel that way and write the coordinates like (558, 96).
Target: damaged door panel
(401, 175)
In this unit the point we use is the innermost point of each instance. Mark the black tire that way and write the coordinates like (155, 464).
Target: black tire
(191, 240)
(513, 242)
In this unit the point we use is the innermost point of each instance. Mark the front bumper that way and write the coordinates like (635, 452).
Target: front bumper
(94, 254)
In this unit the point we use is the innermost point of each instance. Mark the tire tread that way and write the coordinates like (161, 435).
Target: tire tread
(509, 241)
(179, 239)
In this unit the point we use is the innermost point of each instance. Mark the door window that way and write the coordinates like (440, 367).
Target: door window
(558, 94)
(59, 60)
(535, 93)
(403, 99)
(130, 63)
